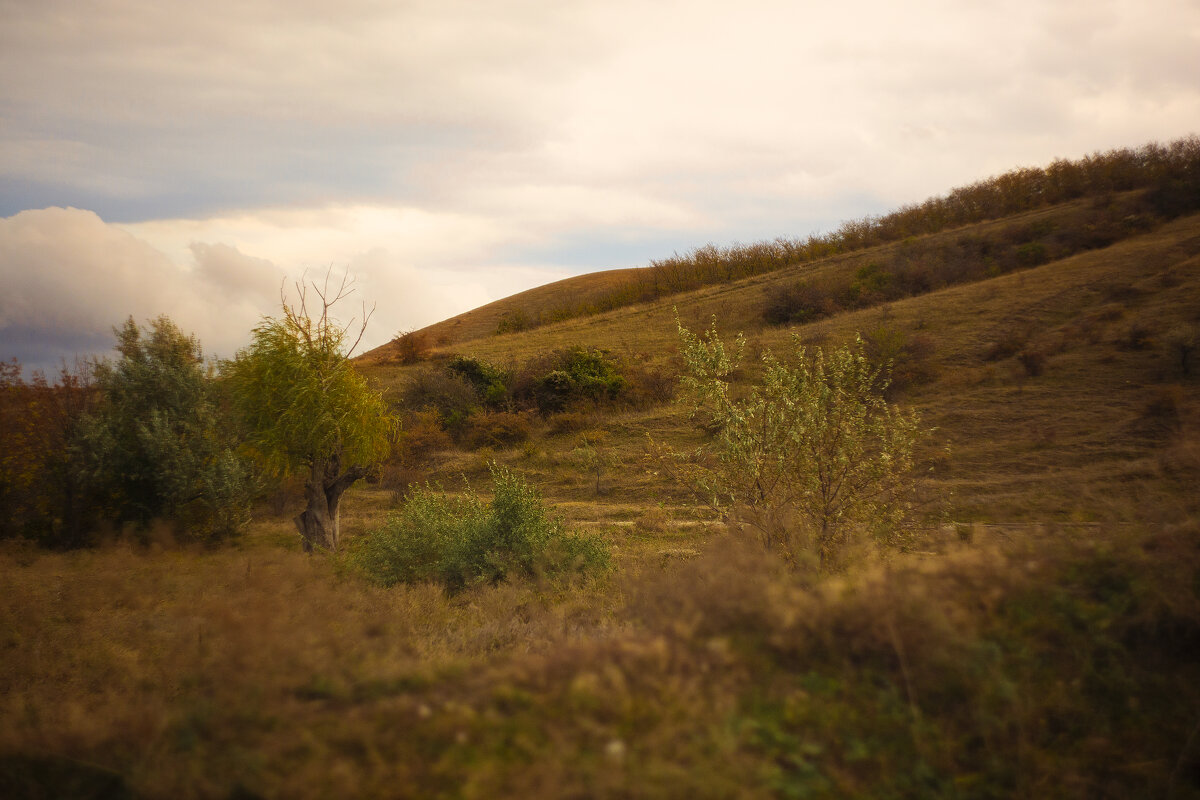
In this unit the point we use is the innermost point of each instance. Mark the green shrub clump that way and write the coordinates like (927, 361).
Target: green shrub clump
(490, 382)
(580, 375)
(462, 540)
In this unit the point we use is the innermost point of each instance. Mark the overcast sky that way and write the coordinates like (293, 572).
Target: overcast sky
(186, 158)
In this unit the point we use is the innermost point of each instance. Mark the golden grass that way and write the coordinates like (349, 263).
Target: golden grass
(1052, 654)
(1056, 666)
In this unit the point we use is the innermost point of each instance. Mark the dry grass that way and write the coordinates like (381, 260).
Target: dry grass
(1053, 655)
(1053, 666)
(185, 670)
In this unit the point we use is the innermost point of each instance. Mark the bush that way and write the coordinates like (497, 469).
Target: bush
(447, 393)
(1008, 342)
(44, 491)
(569, 378)
(906, 359)
(514, 322)
(411, 346)
(462, 540)
(489, 382)
(420, 435)
(796, 303)
(1139, 336)
(570, 422)
(1164, 410)
(1033, 359)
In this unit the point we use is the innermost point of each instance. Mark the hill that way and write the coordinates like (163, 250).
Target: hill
(1040, 639)
(515, 312)
(1165, 178)
(1055, 387)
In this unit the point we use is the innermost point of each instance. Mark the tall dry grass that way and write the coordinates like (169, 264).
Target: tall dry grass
(1061, 665)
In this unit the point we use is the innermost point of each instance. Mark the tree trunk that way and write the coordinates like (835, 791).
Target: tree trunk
(320, 522)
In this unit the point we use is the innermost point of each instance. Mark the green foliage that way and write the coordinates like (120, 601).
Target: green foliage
(811, 451)
(460, 540)
(581, 374)
(156, 446)
(302, 399)
(490, 382)
(553, 383)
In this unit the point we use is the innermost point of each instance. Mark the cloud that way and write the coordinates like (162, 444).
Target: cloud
(69, 276)
(415, 266)
(145, 110)
(454, 151)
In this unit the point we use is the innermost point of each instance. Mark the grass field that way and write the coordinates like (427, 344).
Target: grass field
(1043, 641)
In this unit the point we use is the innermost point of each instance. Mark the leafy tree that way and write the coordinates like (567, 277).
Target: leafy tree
(155, 447)
(308, 410)
(810, 451)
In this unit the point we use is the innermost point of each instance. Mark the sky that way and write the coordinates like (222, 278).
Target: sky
(195, 159)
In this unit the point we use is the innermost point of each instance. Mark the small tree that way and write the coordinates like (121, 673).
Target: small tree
(309, 410)
(155, 448)
(811, 448)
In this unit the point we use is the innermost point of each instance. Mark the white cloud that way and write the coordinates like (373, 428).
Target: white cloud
(69, 277)
(72, 277)
(453, 151)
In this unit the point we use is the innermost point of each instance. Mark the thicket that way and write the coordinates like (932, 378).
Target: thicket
(462, 540)
(1167, 174)
(157, 445)
(1064, 666)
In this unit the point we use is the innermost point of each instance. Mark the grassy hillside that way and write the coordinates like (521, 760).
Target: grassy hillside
(516, 311)
(1042, 641)
(1095, 429)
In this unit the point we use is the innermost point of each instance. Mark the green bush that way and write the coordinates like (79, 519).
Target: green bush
(489, 381)
(574, 376)
(461, 540)
(796, 304)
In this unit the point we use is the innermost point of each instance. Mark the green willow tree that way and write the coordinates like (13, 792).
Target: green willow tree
(308, 410)
(809, 454)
